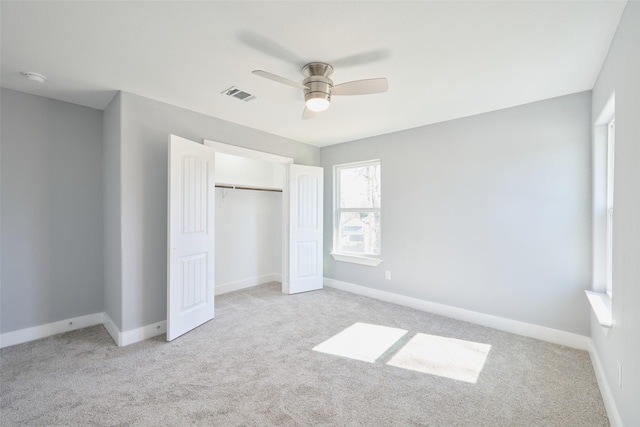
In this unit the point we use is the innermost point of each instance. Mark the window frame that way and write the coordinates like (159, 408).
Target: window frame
(363, 259)
(611, 131)
(603, 160)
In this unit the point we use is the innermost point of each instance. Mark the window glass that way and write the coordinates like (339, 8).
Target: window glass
(357, 215)
(359, 232)
(360, 186)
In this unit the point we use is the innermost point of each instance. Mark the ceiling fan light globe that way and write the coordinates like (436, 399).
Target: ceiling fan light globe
(317, 104)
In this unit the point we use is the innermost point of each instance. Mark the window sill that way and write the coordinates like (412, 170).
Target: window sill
(601, 306)
(355, 259)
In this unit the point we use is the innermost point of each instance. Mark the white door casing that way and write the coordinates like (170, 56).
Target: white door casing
(191, 243)
(305, 229)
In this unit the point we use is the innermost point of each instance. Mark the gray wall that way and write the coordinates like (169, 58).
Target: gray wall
(145, 126)
(51, 197)
(112, 221)
(621, 73)
(489, 213)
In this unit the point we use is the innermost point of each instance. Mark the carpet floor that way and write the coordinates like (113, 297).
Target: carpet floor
(374, 364)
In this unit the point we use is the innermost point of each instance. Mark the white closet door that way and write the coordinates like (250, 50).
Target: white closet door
(191, 243)
(305, 229)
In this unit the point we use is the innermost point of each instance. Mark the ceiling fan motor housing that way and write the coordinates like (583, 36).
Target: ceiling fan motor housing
(318, 82)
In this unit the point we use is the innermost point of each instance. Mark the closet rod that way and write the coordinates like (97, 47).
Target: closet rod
(240, 187)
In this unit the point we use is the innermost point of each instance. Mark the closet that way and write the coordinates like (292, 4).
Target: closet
(249, 205)
(258, 196)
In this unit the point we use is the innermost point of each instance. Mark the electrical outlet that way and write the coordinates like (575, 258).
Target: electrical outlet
(387, 275)
(619, 374)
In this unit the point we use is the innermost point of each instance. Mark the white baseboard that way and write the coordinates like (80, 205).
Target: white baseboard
(134, 335)
(247, 283)
(42, 331)
(605, 390)
(145, 332)
(120, 338)
(113, 330)
(555, 336)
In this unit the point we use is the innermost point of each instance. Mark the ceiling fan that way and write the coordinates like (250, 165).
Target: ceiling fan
(319, 88)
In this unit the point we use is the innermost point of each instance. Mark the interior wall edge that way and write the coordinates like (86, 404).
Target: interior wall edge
(112, 212)
(112, 329)
(603, 385)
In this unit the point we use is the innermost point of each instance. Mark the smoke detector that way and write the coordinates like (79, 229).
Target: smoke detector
(34, 77)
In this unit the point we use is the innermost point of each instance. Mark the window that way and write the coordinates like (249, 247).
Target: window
(357, 212)
(611, 132)
(601, 295)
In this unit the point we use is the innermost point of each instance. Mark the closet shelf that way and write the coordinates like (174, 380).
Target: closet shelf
(248, 187)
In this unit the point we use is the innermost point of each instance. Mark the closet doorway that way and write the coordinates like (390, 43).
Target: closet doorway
(193, 168)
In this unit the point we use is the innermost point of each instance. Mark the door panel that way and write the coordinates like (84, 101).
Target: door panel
(190, 275)
(305, 229)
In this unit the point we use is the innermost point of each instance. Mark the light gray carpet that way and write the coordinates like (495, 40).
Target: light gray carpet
(254, 365)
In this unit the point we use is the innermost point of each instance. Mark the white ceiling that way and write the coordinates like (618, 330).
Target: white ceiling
(443, 60)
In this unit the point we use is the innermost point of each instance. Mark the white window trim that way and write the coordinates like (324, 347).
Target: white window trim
(364, 259)
(600, 299)
(611, 141)
(601, 306)
(356, 259)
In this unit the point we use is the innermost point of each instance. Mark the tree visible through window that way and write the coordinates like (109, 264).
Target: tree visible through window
(357, 221)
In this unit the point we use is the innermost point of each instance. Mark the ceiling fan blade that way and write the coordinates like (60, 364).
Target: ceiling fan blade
(269, 47)
(278, 79)
(308, 114)
(361, 87)
(361, 58)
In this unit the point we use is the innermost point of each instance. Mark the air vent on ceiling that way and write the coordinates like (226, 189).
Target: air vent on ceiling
(234, 92)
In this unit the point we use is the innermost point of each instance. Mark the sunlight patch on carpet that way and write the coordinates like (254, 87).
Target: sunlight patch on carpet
(361, 341)
(446, 357)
